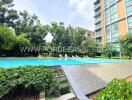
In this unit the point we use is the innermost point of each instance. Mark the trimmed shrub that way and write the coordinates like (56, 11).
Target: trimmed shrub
(39, 79)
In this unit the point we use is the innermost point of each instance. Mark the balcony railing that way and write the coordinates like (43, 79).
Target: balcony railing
(97, 6)
(98, 20)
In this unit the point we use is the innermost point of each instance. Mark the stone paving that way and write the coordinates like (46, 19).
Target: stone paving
(85, 79)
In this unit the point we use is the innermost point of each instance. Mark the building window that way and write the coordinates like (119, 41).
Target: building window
(115, 27)
(114, 14)
(107, 16)
(108, 35)
(112, 2)
(130, 21)
(116, 47)
(130, 30)
(106, 3)
(97, 12)
(108, 29)
(98, 18)
(98, 25)
(128, 2)
(115, 33)
(129, 7)
(98, 33)
(129, 10)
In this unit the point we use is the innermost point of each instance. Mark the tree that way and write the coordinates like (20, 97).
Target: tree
(7, 15)
(39, 33)
(57, 32)
(126, 45)
(90, 46)
(66, 36)
(78, 36)
(6, 2)
(30, 25)
(22, 40)
(7, 38)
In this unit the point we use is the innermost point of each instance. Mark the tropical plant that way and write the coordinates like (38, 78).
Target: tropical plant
(107, 51)
(126, 45)
(22, 40)
(116, 90)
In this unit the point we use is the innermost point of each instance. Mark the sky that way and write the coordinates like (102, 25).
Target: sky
(77, 13)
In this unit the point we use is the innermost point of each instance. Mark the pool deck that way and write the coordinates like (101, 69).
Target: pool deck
(88, 78)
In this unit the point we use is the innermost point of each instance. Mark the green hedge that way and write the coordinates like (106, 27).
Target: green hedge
(31, 78)
(116, 90)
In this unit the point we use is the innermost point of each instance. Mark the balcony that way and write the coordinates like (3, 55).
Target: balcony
(97, 28)
(98, 36)
(97, 20)
(97, 13)
(96, 2)
(97, 6)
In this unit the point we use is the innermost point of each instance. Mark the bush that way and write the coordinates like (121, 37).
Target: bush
(40, 79)
(116, 90)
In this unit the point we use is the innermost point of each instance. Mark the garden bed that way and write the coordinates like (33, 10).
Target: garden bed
(26, 83)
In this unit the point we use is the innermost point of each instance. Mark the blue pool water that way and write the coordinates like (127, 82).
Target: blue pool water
(15, 62)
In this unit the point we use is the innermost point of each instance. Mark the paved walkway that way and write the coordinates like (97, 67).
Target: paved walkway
(89, 78)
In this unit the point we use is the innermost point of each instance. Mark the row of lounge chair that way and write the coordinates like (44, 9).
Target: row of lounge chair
(76, 56)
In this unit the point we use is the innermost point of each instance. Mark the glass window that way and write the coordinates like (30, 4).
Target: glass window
(112, 1)
(106, 3)
(114, 14)
(129, 7)
(129, 10)
(98, 25)
(97, 12)
(116, 46)
(130, 21)
(107, 29)
(128, 2)
(98, 33)
(130, 30)
(115, 27)
(98, 18)
(108, 35)
(115, 37)
(107, 16)
(115, 33)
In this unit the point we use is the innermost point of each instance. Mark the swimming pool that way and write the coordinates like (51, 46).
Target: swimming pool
(15, 62)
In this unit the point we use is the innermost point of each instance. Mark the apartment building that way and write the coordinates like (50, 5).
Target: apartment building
(113, 19)
(87, 33)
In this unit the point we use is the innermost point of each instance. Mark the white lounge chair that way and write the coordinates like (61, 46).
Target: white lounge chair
(73, 56)
(77, 56)
(66, 56)
(60, 55)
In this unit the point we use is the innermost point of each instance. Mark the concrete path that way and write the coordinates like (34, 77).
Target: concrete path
(89, 78)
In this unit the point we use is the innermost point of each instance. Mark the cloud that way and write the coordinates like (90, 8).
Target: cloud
(31, 6)
(84, 8)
